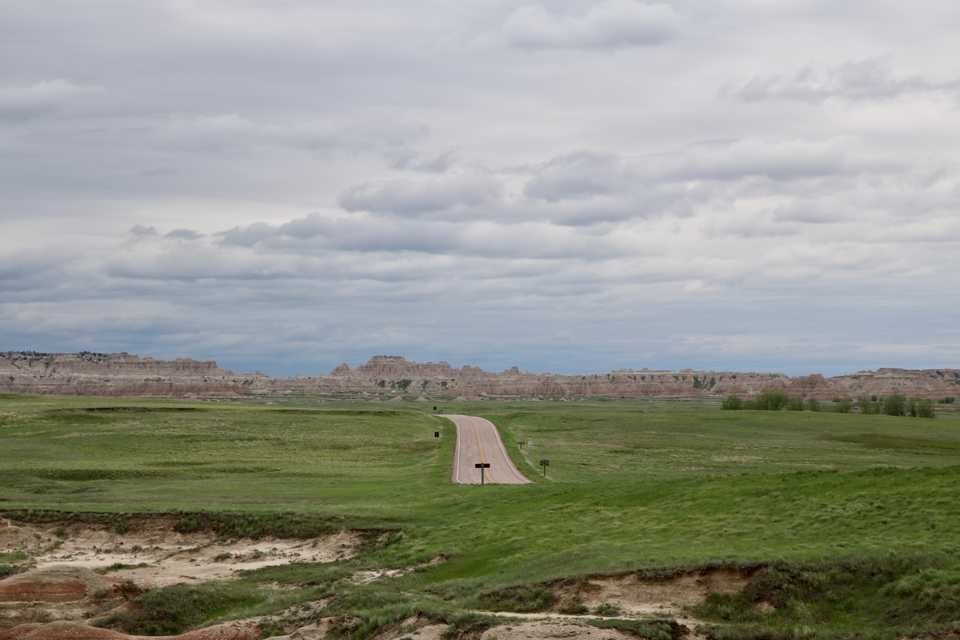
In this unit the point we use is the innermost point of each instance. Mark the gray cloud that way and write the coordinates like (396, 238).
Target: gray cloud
(420, 195)
(558, 185)
(577, 175)
(870, 79)
(40, 98)
(608, 24)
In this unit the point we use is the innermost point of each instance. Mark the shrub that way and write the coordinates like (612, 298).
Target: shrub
(948, 400)
(925, 409)
(732, 403)
(813, 404)
(771, 400)
(523, 599)
(607, 610)
(651, 629)
(843, 405)
(867, 406)
(795, 404)
(895, 405)
(575, 608)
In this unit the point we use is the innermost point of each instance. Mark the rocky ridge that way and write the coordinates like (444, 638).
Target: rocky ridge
(115, 374)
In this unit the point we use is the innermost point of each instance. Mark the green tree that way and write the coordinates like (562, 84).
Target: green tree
(771, 400)
(925, 409)
(895, 405)
(732, 403)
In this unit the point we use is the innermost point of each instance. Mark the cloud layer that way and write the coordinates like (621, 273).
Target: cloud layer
(564, 186)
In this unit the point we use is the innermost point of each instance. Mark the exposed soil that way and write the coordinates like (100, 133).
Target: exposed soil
(74, 631)
(373, 575)
(552, 630)
(154, 555)
(636, 595)
(81, 572)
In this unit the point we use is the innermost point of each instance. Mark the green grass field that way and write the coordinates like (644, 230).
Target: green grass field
(861, 510)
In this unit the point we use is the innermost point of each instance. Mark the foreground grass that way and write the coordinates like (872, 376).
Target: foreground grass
(631, 485)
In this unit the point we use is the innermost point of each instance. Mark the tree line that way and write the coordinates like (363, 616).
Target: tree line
(892, 405)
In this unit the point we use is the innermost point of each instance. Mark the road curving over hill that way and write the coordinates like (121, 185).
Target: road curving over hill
(479, 441)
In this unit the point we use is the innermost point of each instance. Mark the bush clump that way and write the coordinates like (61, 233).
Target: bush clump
(732, 403)
(895, 405)
(522, 599)
(771, 400)
(843, 405)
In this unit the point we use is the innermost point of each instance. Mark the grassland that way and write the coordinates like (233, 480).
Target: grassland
(861, 508)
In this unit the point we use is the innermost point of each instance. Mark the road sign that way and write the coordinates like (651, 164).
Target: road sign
(482, 466)
(436, 434)
(544, 463)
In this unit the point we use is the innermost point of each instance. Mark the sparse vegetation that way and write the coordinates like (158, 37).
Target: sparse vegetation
(881, 597)
(175, 609)
(522, 599)
(608, 610)
(648, 629)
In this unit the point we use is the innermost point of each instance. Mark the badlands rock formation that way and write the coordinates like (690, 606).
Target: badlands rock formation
(394, 376)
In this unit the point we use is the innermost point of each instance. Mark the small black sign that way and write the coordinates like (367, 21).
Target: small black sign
(436, 434)
(544, 463)
(482, 465)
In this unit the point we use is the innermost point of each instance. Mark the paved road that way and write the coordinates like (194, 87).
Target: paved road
(478, 441)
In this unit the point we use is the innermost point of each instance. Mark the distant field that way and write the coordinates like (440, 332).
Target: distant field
(632, 484)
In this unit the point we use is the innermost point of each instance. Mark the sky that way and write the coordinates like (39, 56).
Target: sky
(282, 185)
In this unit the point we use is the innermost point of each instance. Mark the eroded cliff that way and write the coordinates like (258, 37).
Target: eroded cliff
(394, 376)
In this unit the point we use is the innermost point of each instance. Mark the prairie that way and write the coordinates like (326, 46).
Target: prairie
(834, 524)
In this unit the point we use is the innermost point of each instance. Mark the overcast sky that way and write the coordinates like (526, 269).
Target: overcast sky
(562, 185)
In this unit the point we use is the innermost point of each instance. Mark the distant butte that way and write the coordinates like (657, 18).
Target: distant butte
(115, 374)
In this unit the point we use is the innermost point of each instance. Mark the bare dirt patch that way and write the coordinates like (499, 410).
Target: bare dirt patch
(80, 572)
(634, 594)
(534, 630)
(152, 554)
(373, 575)
(74, 631)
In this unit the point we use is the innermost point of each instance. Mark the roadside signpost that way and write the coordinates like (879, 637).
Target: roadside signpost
(436, 434)
(544, 463)
(482, 466)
